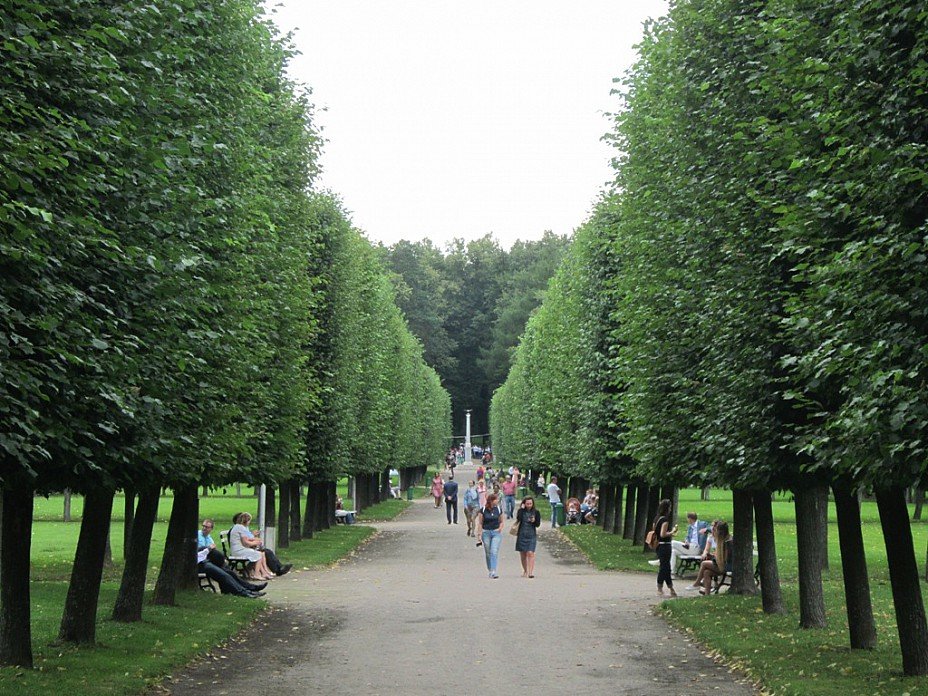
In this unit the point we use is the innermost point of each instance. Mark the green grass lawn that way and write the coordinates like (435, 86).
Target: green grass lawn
(784, 658)
(130, 657)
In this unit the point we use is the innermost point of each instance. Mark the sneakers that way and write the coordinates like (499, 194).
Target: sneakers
(691, 588)
(284, 569)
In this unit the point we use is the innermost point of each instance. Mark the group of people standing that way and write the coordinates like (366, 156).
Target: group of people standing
(486, 517)
(714, 549)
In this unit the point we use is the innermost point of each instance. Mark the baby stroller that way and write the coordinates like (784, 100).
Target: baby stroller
(573, 512)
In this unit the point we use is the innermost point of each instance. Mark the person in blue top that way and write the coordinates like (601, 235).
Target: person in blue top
(471, 505)
(695, 541)
(204, 536)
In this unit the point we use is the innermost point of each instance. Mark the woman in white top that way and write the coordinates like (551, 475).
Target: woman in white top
(243, 543)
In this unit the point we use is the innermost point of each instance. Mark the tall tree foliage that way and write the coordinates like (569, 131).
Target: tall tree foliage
(164, 313)
(764, 259)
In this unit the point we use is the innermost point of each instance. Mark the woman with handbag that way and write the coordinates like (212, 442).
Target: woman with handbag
(664, 533)
(490, 531)
(526, 532)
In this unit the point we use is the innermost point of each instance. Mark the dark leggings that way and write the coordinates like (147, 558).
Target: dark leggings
(664, 574)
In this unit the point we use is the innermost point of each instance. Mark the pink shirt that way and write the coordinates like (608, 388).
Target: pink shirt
(509, 488)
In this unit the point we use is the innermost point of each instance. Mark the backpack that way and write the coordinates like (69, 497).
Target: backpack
(651, 540)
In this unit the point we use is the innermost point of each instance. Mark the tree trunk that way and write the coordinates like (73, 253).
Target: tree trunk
(128, 607)
(15, 605)
(771, 597)
(319, 502)
(308, 513)
(175, 546)
(386, 488)
(300, 528)
(808, 541)
(108, 549)
(616, 524)
(187, 578)
(283, 532)
(67, 505)
(742, 543)
(919, 503)
(629, 520)
(79, 618)
(332, 490)
(903, 576)
(822, 508)
(270, 507)
(128, 517)
(861, 625)
(606, 501)
(641, 515)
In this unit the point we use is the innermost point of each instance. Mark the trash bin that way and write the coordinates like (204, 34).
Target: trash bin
(409, 493)
(559, 507)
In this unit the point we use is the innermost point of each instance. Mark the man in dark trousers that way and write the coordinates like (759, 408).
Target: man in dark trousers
(451, 498)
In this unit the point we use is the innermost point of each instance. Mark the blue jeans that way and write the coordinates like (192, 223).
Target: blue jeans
(491, 539)
(510, 506)
(554, 514)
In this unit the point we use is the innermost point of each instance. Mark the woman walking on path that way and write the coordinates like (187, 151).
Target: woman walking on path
(528, 519)
(482, 491)
(490, 531)
(664, 549)
(438, 487)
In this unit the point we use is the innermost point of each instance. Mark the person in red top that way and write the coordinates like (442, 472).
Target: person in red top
(509, 493)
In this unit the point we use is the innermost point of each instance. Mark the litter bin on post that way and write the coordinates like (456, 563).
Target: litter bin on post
(559, 508)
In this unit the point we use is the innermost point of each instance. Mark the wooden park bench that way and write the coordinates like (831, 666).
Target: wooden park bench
(685, 563)
(205, 582)
(235, 562)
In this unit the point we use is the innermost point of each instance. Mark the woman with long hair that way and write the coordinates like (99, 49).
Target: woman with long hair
(528, 519)
(490, 531)
(438, 487)
(664, 534)
(714, 565)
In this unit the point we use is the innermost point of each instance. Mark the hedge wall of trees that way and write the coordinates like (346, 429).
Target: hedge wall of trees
(747, 306)
(177, 308)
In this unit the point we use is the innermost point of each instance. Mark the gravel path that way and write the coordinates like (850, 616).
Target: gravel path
(414, 612)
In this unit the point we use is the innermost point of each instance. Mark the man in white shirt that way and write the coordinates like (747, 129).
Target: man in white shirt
(554, 496)
(695, 541)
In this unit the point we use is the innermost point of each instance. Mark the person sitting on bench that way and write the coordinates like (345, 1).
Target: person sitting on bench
(247, 544)
(714, 565)
(694, 543)
(228, 582)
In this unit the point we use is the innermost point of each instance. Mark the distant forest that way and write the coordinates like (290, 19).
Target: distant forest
(468, 304)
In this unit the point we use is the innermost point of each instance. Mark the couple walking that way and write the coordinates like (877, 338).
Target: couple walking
(490, 527)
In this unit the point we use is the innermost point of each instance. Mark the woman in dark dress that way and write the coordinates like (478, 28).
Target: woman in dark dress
(664, 549)
(528, 518)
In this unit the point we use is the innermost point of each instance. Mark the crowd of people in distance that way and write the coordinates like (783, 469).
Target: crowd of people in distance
(262, 563)
(489, 501)
(708, 544)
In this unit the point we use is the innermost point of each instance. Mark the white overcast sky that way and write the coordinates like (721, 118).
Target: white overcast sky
(449, 119)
